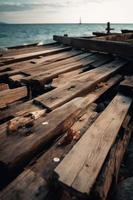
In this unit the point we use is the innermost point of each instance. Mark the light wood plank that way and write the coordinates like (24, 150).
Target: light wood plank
(31, 55)
(86, 158)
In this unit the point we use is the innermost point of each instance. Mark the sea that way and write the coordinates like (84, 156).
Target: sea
(22, 34)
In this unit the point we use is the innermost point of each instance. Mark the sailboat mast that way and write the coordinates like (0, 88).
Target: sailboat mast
(80, 22)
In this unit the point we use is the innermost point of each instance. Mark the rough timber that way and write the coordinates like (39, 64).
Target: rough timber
(62, 109)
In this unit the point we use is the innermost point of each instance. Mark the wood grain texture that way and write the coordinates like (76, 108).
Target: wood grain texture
(122, 49)
(26, 186)
(26, 56)
(57, 122)
(84, 83)
(12, 95)
(110, 169)
(87, 156)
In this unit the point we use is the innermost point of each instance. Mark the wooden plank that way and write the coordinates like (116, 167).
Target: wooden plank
(78, 87)
(42, 67)
(39, 68)
(110, 169)
(39, 61)
(12, 95)
(122, 49)
(27, 56)
(45, 77)
(57, 57)
(87, 156)
(19, 109)
(3, 86)
(12, 153)
(116, 37)
(27, 181)
(45, 165)
(65, 77)
(25, 49)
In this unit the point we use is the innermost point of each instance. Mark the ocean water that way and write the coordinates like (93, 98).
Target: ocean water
(20, 34)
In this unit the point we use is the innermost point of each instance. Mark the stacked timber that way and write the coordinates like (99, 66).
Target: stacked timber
(65, 119)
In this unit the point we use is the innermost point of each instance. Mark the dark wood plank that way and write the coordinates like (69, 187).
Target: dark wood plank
(22, 108)
(45, 165)
(25, 187)
(122, 49)
(12, 153)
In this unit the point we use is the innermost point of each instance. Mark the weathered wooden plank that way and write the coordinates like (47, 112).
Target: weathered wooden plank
(42, 67)
(45, 77)
(65, 78)
(39, 68)
(12, 95)
(3, 86)
(17, 58)
(82, 84)
(27, 186)
(87, 156)
(122, 49)
(45, 165)
(57, 57)
(39, 61)
(19, 109)
(116, 37)
(12, 153)
(24, 49)
(112, 164)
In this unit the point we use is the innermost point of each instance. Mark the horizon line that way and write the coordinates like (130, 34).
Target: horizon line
(65, 23)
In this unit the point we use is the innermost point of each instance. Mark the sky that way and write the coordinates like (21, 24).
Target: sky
(66, 11)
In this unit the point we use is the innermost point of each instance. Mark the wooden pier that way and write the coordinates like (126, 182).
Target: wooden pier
(65, 117)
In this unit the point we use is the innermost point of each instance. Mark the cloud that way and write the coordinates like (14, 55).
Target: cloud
(15, 6)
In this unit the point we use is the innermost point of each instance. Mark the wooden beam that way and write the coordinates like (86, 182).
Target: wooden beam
(84, 83)
(86, 158)
(39, 61)
(110, 169)
(116, 37)
(3, 86)
(45, 163)
(45, 77)
(26, 186)
(54, 124)
(122, 49)
(12, 95)
(22, 108)
(27, 56)
(43, 167)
